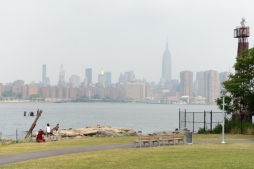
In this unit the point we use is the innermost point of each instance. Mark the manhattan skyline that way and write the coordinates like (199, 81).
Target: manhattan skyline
(117, 36)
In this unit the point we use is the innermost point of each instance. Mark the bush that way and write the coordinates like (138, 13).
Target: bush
(234, 126)
(217, 129)
(202, 131)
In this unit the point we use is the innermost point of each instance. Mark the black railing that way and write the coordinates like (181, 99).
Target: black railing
(196, 120)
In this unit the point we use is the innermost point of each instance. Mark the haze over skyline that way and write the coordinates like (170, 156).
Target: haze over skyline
(118, 36)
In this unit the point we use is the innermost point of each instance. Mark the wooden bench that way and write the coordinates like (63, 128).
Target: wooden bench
(167, 138)
(142, 140)
(159, 139)
(155, 139)
(179, 138)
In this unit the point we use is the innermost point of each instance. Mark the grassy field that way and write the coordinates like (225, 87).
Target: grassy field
(90, 141)
(87, 141)
(235, 155)
(210, 156)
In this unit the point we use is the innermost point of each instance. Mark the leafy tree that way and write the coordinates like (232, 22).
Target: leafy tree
(240, 87)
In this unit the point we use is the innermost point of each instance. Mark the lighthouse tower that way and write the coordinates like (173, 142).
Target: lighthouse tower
(242, 33)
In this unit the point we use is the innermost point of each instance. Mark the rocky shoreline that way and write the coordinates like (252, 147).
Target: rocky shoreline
(98, 130)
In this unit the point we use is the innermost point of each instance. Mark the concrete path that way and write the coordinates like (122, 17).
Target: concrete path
(13, 158)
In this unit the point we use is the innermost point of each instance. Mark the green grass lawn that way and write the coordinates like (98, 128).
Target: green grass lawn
(209, 156)
(78, 142)
(89, 141)
(235, 155)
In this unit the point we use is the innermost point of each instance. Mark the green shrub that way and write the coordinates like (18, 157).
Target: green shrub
(217, 129)
(202, 131)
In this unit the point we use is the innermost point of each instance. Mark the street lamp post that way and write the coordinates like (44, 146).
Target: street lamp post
(223, 123)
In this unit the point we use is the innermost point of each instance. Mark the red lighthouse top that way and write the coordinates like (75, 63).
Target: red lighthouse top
(243, 31)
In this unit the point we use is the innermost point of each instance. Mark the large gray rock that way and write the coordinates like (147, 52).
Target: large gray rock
(98, 131)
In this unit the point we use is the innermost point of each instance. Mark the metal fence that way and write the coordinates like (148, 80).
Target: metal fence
(196, 120)
(14, 135)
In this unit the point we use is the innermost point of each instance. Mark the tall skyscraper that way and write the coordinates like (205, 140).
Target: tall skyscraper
(107, 79)
(44, 75)
(61, 81)
(45, 79)
(89, 76)
(166, 74)
(186, 83)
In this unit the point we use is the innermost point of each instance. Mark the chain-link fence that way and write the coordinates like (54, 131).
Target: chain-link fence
(193, 121)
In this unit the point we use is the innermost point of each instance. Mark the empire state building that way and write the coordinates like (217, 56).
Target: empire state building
(166, 74)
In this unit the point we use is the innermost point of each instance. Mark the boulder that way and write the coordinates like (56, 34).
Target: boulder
(98, 130)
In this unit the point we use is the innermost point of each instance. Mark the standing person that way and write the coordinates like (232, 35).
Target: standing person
(48, 130)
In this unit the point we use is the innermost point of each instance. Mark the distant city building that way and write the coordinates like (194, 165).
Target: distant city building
(211, 86)
(207, 85)
(200, 84)
(45, 79)
(175, 85)
(107, 79)
(74, 81)
(223, 76)
(166, 74)
(101, 79)
(61, 81)
(89, 76)
(186, 83)
(135, 90)
(127, 77)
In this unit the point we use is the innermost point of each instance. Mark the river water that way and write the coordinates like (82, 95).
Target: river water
(145, 117)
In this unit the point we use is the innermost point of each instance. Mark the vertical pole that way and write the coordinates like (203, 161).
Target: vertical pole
(193, 122)
(223, 122)
(16, 135)
(179, 118)
(204, 120)
(185, 118)
(211, 121)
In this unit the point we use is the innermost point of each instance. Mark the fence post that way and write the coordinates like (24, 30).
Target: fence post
(185, 118)
(179, 118)
(193, 122)
(211, 121)
(204, 120)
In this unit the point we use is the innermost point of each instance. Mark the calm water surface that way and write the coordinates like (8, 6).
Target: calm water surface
(145, 117)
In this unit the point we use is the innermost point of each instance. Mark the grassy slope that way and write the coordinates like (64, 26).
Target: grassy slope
(178, 156)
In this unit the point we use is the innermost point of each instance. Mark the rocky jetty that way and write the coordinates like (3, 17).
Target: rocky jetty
(98, 130)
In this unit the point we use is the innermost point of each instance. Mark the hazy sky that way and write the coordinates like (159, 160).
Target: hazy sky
(118, 36)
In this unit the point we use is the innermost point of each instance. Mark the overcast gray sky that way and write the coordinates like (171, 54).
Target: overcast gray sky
(118, 36)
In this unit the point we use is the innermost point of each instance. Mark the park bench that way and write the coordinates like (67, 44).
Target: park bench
(167, 138)
(142, 140)
(159, 139)
(179, 138)
(155, 139)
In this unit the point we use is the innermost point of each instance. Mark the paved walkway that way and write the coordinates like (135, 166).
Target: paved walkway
(13, 158)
